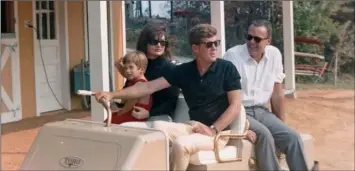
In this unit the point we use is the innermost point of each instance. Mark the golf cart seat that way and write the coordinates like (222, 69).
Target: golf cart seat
(238, 154)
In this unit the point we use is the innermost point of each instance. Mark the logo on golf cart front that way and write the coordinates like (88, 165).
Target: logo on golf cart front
(71, 162)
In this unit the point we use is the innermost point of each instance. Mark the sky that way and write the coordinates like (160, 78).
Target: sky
(158, 8)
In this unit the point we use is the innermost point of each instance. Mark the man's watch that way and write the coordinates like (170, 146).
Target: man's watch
(214, 129)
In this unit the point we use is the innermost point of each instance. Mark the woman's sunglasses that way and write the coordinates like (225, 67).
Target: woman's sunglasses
(209, 44)
(256, 38)
(155, 42)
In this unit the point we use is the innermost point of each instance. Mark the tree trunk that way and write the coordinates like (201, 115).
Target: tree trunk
(171, 11)
(335, 71)
(150, 8)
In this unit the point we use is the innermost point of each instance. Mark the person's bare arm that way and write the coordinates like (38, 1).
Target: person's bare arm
(277, 98)
(232, 111)
(132, 102)
(128, 105)
(140, 90)
(277, 101)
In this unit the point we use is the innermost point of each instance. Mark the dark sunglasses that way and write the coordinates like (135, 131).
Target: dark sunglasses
(256, 38)
(155, 42)
(209, 44)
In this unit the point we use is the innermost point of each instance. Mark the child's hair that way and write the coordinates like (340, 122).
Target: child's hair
(136, 57)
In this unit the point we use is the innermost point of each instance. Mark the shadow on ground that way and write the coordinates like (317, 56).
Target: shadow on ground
(36, 122)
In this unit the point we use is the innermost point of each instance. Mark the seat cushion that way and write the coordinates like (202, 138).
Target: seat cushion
(229, 152)
(205, 157)
(181, 113)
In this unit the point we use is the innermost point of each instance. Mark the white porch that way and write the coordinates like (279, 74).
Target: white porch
(100, 38)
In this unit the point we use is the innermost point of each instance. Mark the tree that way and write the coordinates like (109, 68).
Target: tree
(186, 14)
(312, 19)
(240, 14)
(333, 23)
(344, 41)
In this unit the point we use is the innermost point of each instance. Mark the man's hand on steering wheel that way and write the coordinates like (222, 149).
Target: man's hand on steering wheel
(100, 95)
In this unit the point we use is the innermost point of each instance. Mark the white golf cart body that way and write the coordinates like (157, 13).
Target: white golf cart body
(88, 145)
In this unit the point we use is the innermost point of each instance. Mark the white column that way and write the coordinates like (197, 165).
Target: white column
(217, 21)
(98, 52)
(289, 56)
(1, 96)
(123, 27)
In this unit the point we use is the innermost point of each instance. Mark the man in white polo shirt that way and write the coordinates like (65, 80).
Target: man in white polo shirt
(261, 71)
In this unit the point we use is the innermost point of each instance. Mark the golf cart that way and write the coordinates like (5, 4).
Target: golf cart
(88, 145)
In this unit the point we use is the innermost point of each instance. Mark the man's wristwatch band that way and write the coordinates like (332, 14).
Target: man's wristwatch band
(214, 129)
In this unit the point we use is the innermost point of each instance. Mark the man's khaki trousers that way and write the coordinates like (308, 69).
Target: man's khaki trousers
(184, 142)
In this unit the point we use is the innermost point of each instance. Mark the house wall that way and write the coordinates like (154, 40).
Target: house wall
(76, 50)
(118, 37)
(76, 36)
(76, 40)
(26, 52)
(6, 74)
(27, 74)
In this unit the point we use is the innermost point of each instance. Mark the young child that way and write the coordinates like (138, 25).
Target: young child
(135, 64)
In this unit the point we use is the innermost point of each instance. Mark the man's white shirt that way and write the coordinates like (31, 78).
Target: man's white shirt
(257, 79)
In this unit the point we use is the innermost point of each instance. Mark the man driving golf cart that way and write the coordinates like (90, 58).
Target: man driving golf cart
(211, 87)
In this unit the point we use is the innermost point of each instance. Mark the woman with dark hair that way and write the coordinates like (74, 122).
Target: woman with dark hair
(153, 43)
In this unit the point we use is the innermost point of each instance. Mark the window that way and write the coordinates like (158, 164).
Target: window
(45, 19)
(7, 19)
